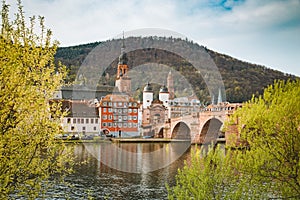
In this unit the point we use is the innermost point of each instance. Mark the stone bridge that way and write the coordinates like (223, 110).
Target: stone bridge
(201, 127)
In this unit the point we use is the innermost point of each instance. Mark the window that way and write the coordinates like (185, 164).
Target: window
(110, 110)
(129, 125)
(125, 125)
(115, 117)
(134, 117)
(72, 128)
(78, 121)
(120, 125)
(110, 117)
(74, 121)
(83, 128)
(129, 117)
(119, 110)
(129, 110)
(86, 121)
(125, 104)
(95, 128)
(104, 103)
(104, 124)
(135, 110)
(120, 118)
(129, 104)
(124, 110)
(134, 104)
(109, 124)
(82, 121)
(104, 117)
(104, 109)
(120, 104)
(109, 103)
(96, 121)
(115, 125)
(69, 120)
(125, 118)
(92, 121)
(134, 125)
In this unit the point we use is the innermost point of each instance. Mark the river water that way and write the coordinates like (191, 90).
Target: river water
(123, 171)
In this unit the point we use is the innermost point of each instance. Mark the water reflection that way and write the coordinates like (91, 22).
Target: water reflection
(137, 157)
(97, 180)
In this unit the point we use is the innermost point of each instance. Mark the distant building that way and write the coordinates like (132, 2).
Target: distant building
(119, 115)
(184, 106)
(83, 117)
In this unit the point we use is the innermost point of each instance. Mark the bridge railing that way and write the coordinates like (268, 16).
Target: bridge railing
(224, 108)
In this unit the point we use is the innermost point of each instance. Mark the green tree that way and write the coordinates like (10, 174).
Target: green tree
(214, 175)
(28, 123)
(270, 165)
(271, 126)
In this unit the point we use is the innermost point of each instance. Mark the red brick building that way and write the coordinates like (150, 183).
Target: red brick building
(119, 114)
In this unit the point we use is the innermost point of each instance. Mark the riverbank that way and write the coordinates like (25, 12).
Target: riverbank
(146, 140)
(94, 140)
(124, 140)
(131, 140)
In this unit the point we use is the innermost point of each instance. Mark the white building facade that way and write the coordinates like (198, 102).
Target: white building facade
(83, 117)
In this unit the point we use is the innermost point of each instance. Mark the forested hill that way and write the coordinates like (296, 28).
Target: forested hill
(241, 79)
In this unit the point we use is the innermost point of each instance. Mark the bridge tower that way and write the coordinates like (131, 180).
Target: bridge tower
(147, 96)
(164, 95)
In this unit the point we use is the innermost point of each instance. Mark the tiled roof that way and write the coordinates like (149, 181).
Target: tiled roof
(80, 108)
(118, 97)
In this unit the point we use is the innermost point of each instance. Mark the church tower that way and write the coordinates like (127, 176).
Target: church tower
(123, 81)
(170, 85)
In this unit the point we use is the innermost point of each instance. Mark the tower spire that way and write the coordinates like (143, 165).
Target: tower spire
(123, 44)
(123, 57)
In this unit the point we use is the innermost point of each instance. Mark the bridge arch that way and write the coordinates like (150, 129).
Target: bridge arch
(161, 133)
(210, 130)
(181, 131)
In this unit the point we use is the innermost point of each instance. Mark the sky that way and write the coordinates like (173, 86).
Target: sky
(265, 32)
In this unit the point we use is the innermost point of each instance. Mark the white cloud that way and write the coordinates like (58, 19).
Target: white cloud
(257, 31)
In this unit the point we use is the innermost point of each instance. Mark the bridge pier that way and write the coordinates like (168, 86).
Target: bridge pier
(195, 135)
(167, 131)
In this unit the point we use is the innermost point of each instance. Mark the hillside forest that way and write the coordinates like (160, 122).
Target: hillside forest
(241, 79)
